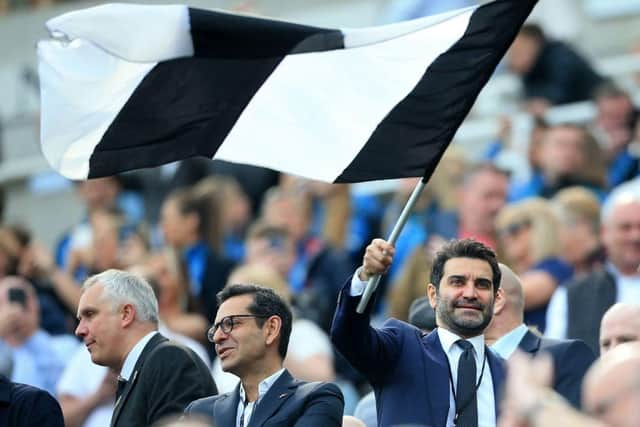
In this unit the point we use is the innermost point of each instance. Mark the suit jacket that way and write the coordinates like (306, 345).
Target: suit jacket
(288, 402)
(593, 294)
(165, 379)
(571, 359)
(404, 365)
(24, 406)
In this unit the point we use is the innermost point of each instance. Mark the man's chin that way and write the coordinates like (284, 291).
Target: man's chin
(95, 358)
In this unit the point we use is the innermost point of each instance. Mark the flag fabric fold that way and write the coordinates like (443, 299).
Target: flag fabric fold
(130, 86)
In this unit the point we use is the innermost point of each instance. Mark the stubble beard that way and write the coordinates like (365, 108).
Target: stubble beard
(463, 326)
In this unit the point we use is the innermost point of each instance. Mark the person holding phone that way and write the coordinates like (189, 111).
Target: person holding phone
(38, 358)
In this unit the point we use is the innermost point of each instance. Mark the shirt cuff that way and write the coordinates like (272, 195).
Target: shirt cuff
(357, 285)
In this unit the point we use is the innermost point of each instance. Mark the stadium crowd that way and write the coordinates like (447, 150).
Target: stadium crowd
(551, 262)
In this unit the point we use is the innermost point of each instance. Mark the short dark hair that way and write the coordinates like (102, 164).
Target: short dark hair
(265, 303)
(465, 248)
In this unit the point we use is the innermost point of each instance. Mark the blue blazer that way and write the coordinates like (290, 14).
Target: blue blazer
(288, 402)
(571, 359)
(408, 369)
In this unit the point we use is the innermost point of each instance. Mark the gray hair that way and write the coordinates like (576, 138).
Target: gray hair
(629, 192)
(120, 287)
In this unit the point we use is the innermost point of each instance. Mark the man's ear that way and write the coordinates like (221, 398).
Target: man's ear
(272, 329)
(432, 294)
(127, 315)
(499, 302)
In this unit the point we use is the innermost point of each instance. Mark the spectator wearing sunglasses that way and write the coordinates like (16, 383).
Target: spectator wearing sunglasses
(530, 239)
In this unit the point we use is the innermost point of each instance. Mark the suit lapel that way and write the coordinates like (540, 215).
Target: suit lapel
(530, 343)
(437, 379)
(496, 365)
(279, 392)
(225, 409)
(153, 343)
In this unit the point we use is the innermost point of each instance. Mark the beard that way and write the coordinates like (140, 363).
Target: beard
(465, 326)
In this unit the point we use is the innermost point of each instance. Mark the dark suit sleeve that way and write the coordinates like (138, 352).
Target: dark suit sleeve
(368, 349)
(174, 377)
(36, 408)
(200, 408)
(324, 408)
(571, 364)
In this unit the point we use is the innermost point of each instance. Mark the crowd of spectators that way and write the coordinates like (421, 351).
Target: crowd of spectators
(570, 232)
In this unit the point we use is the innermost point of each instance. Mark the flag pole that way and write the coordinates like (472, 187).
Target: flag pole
(373, 282)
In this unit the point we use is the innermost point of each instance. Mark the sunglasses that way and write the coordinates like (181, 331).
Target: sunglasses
(514, 228)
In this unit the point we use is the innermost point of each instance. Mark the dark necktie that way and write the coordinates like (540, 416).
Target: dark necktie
(120, 388)
(466, 402)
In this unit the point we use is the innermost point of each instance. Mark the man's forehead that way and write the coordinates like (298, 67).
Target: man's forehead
(626, 209)
(234, 305)
(468, 267)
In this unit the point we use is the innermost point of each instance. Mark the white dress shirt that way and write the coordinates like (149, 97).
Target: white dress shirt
(627, 290)
(247, 408)
(133, 356)
(508, 343)
(485, 397)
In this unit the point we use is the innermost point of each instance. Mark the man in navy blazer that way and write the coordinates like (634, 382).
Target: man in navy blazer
(571, 358)
(415, 376)
(24, 406)
(251, 335)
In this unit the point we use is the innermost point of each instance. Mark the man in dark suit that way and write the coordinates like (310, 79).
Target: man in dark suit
(444, 378)
(507, 332)
(118, 315)
(24, 406)
(595, 292)
(251, 335)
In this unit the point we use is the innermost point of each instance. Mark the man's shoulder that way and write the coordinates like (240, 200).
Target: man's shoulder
(569, 348)
(165, 348)
(400, 325)
(23, 394)
(164, 355)
(206, 404)
(304, 388)
(586, 282)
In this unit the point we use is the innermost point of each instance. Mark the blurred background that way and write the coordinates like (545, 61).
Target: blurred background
(607, 32)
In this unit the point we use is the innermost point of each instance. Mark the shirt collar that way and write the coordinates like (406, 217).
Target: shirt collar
(134, 355)
(263, 387)
(508, 343)
(448, 340)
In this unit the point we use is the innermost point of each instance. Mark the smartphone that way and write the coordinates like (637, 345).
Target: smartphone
(18, 296)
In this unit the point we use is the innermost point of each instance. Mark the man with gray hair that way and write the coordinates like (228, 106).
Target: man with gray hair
(118, 314)
(575, 310)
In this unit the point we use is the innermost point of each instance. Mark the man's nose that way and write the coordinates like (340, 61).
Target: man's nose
(219, 335)
(469, 290)
(81, 330)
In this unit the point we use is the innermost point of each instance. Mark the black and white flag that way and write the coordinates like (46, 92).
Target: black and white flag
(130, 86)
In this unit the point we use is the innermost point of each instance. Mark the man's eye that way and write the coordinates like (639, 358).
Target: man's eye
(483, 284)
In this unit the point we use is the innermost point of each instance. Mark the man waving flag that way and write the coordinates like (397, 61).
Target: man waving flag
(130, 86)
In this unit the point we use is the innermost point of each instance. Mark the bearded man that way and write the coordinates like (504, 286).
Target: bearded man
(447, 377)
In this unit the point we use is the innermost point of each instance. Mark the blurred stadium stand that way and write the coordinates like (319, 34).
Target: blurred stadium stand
(608, 30)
